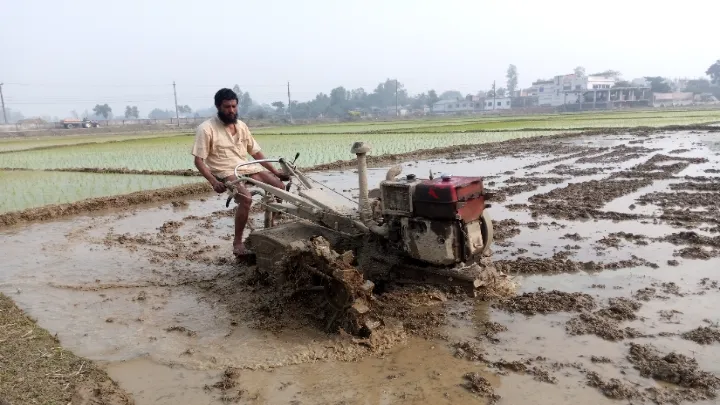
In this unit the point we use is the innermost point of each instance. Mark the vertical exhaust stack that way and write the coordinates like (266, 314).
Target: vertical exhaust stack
(361, 150)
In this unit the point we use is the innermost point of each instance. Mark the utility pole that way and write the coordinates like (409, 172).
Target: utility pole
(2, 99)
(177, 113)
(288, 106)
(397, 111)
(494, 94)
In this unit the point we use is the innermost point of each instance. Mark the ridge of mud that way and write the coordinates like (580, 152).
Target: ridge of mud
(673, 368)
(613, 388)
(696, 186)
(567, 170)
(506, 229)
(50, 212)
(682, 199)
(605, 322)
(703, 335)
(541, 302)
(480, 386)
(585, 199)
(651, 169)
(619, 154)
(559, 264)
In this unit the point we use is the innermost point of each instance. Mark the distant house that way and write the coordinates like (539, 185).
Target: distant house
(498, 103)
(453, 106)
(672, 99)
(569, 89)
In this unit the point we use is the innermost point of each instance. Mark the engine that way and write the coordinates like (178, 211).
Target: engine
(439, 221)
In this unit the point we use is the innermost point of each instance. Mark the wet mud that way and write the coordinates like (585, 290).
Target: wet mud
(210, 330)
(546, 302)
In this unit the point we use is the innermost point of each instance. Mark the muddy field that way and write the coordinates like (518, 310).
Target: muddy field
(613, 243)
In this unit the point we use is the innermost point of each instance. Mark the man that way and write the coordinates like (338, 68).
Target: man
(223, 142)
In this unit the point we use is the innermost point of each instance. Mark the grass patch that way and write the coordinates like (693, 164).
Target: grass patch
(35, 369)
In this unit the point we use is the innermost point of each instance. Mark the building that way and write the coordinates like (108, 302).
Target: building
(574, 92)
(570, 89)
(672, 99)
(453, 106)
(498, 103)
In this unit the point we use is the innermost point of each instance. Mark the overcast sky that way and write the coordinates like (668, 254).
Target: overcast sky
(58, 56)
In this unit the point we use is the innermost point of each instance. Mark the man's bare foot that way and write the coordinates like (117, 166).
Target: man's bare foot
(239, 250)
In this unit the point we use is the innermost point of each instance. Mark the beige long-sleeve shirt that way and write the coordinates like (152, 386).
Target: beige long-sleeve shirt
(222, 151)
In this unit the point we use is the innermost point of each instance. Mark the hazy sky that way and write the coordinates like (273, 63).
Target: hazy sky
(58, 56)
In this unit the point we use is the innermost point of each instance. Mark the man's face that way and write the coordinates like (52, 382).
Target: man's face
(228, 111)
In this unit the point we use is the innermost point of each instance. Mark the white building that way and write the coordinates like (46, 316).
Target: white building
(499, 103)
(452, 106)
(568, 89)
(673, 99)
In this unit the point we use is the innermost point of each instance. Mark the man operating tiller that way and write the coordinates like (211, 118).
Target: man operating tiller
(222, 143)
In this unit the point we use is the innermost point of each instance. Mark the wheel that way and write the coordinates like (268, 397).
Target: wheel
(486, 227)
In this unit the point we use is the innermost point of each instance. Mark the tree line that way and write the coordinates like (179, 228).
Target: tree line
(386, 95)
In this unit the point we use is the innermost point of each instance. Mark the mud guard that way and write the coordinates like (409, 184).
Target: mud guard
(486, 227)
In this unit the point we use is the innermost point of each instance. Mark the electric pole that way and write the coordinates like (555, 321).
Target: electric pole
(494, 94)
(397, 111)
(177, 113)
(288, 106)
(2, 99)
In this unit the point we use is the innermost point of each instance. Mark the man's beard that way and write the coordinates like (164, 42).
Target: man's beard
(227, 118)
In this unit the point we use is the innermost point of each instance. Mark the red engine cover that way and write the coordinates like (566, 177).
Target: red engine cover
(449, 198)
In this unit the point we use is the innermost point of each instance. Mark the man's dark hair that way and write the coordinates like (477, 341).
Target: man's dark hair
(224, 94)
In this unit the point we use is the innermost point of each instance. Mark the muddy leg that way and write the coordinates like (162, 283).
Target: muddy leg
(244, 201)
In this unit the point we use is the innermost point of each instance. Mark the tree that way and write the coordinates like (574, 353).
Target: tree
(339, 96)
(245, 103)
(451, 95)
(237, 91)
(102, 110)
(132, 112)
(512, 79)
(500, 92)
(698, 86)
(658, 84)
(580, 71)
(279, 105)
(420, 101)
(184, 110)
(432, 98)
(622, 83)
(74, 114)
(158, 114)
(714, 72)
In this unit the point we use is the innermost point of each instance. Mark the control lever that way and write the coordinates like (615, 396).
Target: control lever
(287, 186)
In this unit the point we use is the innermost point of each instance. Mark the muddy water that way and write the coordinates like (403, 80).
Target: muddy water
(143, 304)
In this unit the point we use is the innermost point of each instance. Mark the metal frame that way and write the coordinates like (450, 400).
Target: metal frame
(301, 205)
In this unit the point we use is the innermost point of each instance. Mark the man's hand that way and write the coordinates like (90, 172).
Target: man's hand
(218, 187)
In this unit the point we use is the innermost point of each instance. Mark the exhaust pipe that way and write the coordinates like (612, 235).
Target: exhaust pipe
(361, 150)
